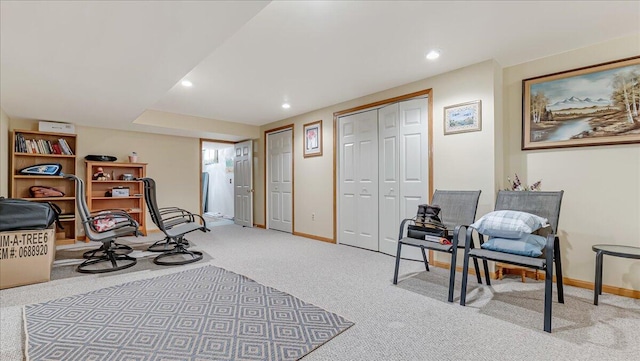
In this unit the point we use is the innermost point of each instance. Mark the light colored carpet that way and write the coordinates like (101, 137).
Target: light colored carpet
(411, 321)
(206, 313)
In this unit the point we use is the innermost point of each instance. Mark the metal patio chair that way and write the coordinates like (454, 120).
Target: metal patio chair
(174, 223)
(542, 204)
(458, 210)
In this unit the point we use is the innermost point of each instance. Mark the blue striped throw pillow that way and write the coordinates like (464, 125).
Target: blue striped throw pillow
(509, 224)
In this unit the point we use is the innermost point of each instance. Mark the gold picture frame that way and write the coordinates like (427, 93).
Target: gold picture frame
(594, 105)
(312, 139)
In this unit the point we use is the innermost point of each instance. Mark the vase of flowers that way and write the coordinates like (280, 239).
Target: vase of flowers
(517, 185)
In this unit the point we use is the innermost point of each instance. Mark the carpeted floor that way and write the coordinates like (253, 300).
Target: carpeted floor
(205, 313)
(410, 321)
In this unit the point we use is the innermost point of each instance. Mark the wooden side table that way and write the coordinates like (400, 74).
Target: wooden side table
(611, 250)
(501, 267)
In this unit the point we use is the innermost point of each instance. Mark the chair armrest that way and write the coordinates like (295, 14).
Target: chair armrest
(173, 213)
(173, 216)
(456, 235)
(469, 243)
(401, 232)
(121, 219)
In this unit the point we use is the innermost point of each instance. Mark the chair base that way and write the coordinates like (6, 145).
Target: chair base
(165, 245)
(117, 248)
(178, 252)
(118, 262)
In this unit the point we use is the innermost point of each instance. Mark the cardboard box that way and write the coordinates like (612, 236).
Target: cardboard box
(56, 127)
(26, 257)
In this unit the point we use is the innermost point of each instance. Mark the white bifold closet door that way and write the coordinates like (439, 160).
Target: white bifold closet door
(401, 170)
(359, 180)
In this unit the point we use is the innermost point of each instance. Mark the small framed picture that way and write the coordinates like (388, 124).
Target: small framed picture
(313, 139)
(465, 117)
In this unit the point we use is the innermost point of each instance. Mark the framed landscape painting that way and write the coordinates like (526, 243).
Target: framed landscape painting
(596, 105)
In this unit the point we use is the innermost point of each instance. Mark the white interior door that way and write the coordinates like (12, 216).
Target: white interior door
(280, 184)
(389, 215)
(401, 126)
(358, 203)
(243, 183)
(414, 156)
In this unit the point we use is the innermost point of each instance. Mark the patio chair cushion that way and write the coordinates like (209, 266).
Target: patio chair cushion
(529, 245)
(509, 224)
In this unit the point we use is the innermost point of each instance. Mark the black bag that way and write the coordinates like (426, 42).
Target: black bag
(19, 214)
(427, 223)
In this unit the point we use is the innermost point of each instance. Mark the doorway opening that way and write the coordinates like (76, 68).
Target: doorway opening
(217, 179)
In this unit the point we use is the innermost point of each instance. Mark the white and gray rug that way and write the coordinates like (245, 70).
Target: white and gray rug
(206, 313)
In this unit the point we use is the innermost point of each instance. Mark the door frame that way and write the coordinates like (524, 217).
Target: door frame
(202, 140)
(381, 103)
(293, 174)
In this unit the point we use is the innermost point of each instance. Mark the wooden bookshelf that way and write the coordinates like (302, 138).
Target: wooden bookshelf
(97, 190)
(20, 183)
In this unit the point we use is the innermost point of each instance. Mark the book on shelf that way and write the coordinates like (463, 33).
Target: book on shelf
(65, 146)
(66, 216)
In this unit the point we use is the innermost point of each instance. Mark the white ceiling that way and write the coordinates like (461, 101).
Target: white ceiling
(105, 63)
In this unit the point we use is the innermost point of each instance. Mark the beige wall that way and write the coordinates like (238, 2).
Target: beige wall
(460, 161)
(601, 203)
(172, 161)
(4, 154)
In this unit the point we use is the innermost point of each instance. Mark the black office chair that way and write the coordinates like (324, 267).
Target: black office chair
(542, 204)
(174, 223)
(111, 256)
(458, 211)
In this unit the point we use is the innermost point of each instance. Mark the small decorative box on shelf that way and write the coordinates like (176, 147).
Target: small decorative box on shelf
(120, 191)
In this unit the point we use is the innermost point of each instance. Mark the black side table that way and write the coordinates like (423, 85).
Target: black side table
(611, 250)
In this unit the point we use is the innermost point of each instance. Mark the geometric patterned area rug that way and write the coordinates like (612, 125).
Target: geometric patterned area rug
(206, 313)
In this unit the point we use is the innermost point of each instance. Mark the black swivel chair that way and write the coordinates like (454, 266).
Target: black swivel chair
(174, 223)
(545, 205)
(458, 210)
(111, 256)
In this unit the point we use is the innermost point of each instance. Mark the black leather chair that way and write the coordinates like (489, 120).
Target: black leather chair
(458, 211)
(542, 204)
(174, 223)
(111, 256)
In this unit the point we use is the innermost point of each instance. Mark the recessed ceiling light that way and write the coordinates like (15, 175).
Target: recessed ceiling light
(433, 54)
(186, 83)
(286, 105)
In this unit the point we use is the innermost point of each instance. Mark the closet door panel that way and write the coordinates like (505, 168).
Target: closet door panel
(347, 223)
(367, 176)
(359, 180)
(414, 151)
(389, 215)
